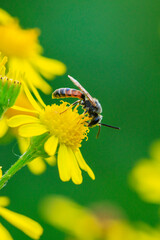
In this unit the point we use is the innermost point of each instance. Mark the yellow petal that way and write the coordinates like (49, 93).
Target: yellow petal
(4, 201)
(51, 160)
(49, 67)
(30, 130)
(63, 213)
(23, 109)
(37, 166)
(145, 179)
(23, 65)
(64, 166)
(4, 234)
(23, 144)
(68, 166)
(30, 97)
(155, 150)
(25, 224)
(32, 75)
(50, 145)
(18, 120)
(36, 93)
(3, 127)
(76, 173)
(5, 17)
(83, 165)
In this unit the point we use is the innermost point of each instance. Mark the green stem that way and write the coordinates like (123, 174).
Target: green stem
(36, 149)
(22, 161)
(2, 111)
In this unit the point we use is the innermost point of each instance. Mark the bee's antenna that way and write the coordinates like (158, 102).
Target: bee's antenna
(109, 126)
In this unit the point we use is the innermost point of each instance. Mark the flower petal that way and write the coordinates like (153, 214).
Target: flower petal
(23, 144)
(30, 130)
(5, 235)
(51, 160)
(37, 166)
(23, 109)
(76, 173)
(32, 74)
(83, 165)
(18, 120)
(5, 17)
(64, 166)
(50, 145)
(49, 67)
(30, 98)
(4, 201)
(36, 93)
(3, 127)
(25, 224)
(68, 166)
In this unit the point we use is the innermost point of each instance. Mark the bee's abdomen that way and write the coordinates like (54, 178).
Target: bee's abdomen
(68, 92)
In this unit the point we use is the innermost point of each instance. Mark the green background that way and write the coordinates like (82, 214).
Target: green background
(113, 49)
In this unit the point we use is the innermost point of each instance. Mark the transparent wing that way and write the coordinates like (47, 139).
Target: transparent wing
(83, 90)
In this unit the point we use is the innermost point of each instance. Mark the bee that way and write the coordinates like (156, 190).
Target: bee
(90, 105)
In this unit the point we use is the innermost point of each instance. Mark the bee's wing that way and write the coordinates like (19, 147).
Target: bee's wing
(90, 98)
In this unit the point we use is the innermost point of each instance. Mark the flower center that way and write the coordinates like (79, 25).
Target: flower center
(16, 42)
(65, 123)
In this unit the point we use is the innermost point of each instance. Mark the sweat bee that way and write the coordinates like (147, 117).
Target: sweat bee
(90, 105)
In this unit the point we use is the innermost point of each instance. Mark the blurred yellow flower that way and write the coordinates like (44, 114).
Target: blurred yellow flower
(81, 223)
(145, 176)
(70, 217)
(25, 224)
(66, 130)
(24, 52)
(120, 230)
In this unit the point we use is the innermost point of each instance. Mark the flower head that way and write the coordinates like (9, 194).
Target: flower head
(70, 217)
(65, 129)
(82, 223)
(24, 52)
(145, 176)
(25, 224)
(9, 88)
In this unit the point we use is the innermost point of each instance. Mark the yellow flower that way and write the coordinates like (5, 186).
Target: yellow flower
(120, 230)
(25, 224)
(82, 223)
(145, 176)
(69, 216)
(24, 52)
(65, 129)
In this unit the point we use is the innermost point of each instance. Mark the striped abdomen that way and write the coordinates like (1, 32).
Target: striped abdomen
(68, 92)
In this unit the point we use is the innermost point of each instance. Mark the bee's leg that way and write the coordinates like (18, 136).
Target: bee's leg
(85, 112)
(99, 129)
(76, 102)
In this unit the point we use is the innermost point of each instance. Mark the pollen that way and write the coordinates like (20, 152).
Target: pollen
(66, 124)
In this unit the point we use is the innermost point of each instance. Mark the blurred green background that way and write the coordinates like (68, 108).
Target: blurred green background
(113, 49)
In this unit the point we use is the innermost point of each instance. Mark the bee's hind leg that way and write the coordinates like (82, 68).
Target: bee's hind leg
(73, 104)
